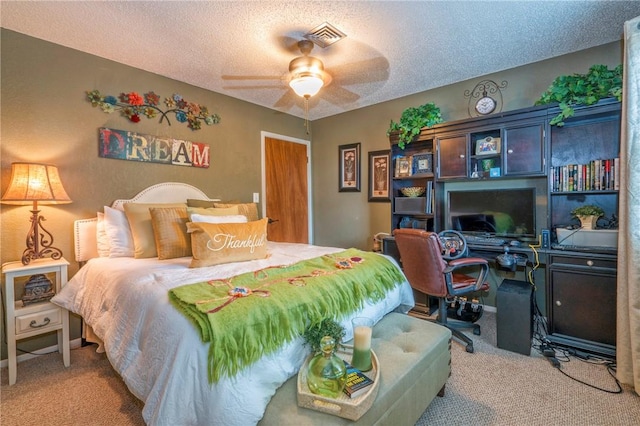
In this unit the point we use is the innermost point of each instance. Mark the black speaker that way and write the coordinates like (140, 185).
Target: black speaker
(514, 317)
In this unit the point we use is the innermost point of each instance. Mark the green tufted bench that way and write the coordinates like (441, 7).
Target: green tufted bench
(415, 362)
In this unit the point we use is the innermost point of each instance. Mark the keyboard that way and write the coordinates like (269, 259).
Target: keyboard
(485, 241)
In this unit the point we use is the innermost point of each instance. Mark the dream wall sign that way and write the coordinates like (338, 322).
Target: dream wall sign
(125, 145)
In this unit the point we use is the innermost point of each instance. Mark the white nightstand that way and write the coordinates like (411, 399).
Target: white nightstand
(36, 318)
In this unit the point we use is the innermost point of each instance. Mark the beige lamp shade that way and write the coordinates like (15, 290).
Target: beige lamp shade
(35, 182)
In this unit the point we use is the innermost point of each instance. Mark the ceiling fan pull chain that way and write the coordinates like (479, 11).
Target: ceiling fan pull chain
(306, 112)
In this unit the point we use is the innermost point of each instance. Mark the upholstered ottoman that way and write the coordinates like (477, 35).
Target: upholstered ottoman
(415, 362)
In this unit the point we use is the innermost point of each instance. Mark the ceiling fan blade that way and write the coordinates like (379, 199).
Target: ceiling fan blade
(252, 77)
(366, 71)
(287, 100)
(254, 87)
(338, 95)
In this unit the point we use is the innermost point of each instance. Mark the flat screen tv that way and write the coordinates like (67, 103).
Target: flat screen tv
(493, 212)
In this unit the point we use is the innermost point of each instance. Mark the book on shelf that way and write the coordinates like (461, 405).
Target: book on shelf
(357, 382)
(597, 175)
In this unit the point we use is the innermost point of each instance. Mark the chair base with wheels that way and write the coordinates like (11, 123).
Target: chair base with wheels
(421, 258)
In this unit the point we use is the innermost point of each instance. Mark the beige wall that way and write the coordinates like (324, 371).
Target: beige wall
(46, 118)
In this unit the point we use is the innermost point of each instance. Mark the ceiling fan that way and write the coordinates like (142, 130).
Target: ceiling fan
(308, 77)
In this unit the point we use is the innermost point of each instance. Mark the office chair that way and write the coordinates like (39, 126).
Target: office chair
(421, 257)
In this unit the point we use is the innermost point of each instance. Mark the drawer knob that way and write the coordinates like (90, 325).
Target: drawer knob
(509, 151)
(558, 303)
(589, 262)
(461, 155)
(34, 324)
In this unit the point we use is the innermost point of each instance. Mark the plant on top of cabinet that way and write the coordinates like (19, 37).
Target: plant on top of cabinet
(412, 120)
(582, 89)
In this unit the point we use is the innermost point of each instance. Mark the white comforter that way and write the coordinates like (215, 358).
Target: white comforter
(157, 350)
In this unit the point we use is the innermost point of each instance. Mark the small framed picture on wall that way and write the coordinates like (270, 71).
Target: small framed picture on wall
(349, 168)
(379, 168)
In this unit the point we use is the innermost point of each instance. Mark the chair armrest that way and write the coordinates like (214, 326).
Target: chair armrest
(465, 262)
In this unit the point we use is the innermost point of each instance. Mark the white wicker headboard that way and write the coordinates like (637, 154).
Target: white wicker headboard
(84, 230)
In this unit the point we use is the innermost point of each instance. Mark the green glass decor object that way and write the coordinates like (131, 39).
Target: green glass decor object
(327, 373)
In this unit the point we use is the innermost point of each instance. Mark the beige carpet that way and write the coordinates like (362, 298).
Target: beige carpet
(489, 387)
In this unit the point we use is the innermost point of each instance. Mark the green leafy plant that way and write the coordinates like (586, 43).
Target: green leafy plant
(412, 120)
(587, 210)
(328, 327)
(582, 89)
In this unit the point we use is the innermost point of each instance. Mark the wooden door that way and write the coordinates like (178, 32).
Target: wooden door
(286, 191)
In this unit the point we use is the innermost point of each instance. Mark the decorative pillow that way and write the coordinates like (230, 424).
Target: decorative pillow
(213, 211)
(101, 237)
(213, 244)
(141, 229)
(205, 204)
(170, 231)
(235, 218)
(250, 210)
(118, 231)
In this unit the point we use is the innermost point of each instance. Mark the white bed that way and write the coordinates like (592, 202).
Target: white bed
(158, 351)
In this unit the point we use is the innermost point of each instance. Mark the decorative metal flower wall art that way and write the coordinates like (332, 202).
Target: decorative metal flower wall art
(133, 105)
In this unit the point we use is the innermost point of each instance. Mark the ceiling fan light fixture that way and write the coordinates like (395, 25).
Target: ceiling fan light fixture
(306, 83)
(307, 76)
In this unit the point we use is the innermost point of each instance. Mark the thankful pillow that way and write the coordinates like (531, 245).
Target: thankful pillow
(216, 243)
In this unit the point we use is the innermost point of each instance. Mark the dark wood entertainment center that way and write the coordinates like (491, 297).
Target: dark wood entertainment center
(515, 148)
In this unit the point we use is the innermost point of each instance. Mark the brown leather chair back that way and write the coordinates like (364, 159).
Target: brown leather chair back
(422, 262)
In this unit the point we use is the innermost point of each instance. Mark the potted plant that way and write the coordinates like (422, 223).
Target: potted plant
(588, 215)
(328, 327)
(582, 89)
(412, 120)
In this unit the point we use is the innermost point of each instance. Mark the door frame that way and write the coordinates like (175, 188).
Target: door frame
(307, 143)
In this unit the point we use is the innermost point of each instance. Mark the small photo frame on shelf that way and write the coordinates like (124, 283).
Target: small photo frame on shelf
(403, 166)
(422, 163)
(488, 146)
(349, 168)
(379, 168)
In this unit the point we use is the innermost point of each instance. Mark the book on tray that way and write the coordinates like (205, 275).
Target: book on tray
(357, 382)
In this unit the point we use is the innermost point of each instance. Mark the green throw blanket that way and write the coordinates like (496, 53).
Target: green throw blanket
(254, 314)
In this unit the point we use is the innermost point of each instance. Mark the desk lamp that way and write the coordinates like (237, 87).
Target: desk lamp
(33, 183)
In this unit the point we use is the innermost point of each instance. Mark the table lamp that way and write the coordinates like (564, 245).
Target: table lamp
(36, 183)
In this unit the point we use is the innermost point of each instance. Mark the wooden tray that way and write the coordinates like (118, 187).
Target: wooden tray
(343, 406)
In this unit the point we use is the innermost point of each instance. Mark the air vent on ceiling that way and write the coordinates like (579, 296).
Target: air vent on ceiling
(325, 35)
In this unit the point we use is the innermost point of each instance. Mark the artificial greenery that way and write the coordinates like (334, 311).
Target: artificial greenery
(412, 120)
(582, 89)
(328, 327)
(587, 210)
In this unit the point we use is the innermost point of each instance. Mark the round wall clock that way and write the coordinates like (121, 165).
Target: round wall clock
(485, 105)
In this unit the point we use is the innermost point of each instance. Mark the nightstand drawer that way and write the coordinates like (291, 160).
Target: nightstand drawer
(38, 320)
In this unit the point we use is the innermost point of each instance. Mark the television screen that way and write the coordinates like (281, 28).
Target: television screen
(493, 212)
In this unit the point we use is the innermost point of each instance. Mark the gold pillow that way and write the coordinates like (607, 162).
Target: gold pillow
(216, 243)
(170, 232)
(250, 210)
(139, 218)
(194, 202)
(231, 211)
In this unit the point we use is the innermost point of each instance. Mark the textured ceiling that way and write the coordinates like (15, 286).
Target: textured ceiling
(392, 49)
